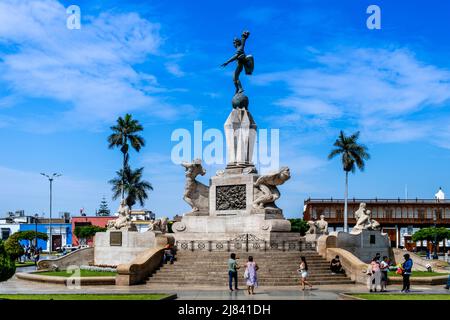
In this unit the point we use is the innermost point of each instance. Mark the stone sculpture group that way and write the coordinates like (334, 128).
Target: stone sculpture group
(318, 227)
(364, 220)
(123, 222)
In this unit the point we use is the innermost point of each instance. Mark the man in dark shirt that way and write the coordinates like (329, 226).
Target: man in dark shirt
(336, 266)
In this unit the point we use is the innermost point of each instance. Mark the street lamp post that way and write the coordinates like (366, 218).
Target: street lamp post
(50, 179)
(35, 236)
(435, 254)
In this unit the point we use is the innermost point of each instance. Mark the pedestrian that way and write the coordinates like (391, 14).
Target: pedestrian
(303, 271)
(406, 273)
(169, 254)
(378, 257)
(373, 275)
(336, 266)
(384, 267)
(251, 275)
(232, 272)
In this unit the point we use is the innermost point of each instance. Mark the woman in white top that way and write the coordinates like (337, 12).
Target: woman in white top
(303, 271)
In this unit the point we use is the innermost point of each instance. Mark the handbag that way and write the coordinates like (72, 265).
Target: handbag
(246, 274)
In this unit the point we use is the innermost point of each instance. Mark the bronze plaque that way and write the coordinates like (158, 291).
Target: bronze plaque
(115, 239)
(232, 197)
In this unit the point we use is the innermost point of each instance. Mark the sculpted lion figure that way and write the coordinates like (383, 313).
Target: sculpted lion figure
(267, 185)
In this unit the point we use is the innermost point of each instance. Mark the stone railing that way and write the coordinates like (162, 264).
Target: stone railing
(353, 266)
(245, 243)
(84, 256)
(144, 265)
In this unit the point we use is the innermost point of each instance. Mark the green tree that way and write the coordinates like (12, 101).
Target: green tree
(125, 132)
(12, 244)
(130, 181)
(353, 155)
(435, 235)
(86, 232)
(299, 225)
(103, 210)
(7, 265)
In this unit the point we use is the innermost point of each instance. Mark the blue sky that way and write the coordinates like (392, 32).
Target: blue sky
(318, 70)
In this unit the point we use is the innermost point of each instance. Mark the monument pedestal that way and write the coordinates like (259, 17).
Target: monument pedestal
(115, 247)
(365, 245)
(241, 203)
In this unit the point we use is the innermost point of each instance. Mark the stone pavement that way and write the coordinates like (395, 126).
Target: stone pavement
(325, 292)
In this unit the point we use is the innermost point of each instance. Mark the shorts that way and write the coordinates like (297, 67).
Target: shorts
(304, 274)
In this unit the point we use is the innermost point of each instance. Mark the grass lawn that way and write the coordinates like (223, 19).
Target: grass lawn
(83, 296)
(25, 264)
(419, 274)
(83, 273)
(403, 296)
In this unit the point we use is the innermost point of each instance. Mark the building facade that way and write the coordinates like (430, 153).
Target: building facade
(81, 221)
(61, 233)
(399, 218)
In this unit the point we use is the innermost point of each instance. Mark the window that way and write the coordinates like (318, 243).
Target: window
(5, 233)
(332, 213)
(410, 213)
(429, 214)
(317, 212)
(398, 213)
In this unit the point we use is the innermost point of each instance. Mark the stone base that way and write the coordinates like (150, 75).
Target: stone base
(132, 244)
(312, 237)
(230, 227)
(364, 245)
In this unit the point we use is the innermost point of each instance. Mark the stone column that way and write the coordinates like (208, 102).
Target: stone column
(240, 134)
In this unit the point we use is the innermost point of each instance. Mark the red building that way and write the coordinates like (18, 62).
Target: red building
(88, 221)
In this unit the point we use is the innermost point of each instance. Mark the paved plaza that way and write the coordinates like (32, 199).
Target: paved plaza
(325, 292)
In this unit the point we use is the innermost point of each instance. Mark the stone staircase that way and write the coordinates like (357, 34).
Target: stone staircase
(276, 268)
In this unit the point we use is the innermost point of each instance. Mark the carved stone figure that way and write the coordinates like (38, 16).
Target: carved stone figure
(124, 219)
(243, 62)
(159, 225)
(318, 227)
(196, 194)
(364, 220)
(267, 187)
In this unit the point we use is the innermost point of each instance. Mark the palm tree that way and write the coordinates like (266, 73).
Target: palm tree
(130, 181)
(352, 153)
(124, 132)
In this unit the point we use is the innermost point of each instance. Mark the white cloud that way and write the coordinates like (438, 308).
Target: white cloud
(382, 92)
(89, 71)
(174, 69)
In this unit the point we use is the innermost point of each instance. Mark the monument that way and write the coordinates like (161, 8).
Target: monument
(366, 239)
(238, 200)
(122, 243)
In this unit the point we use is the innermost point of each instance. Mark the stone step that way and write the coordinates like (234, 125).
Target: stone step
(196, 258)
(254, 254)
(263, 273)
(260, 278)
(242, 284)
